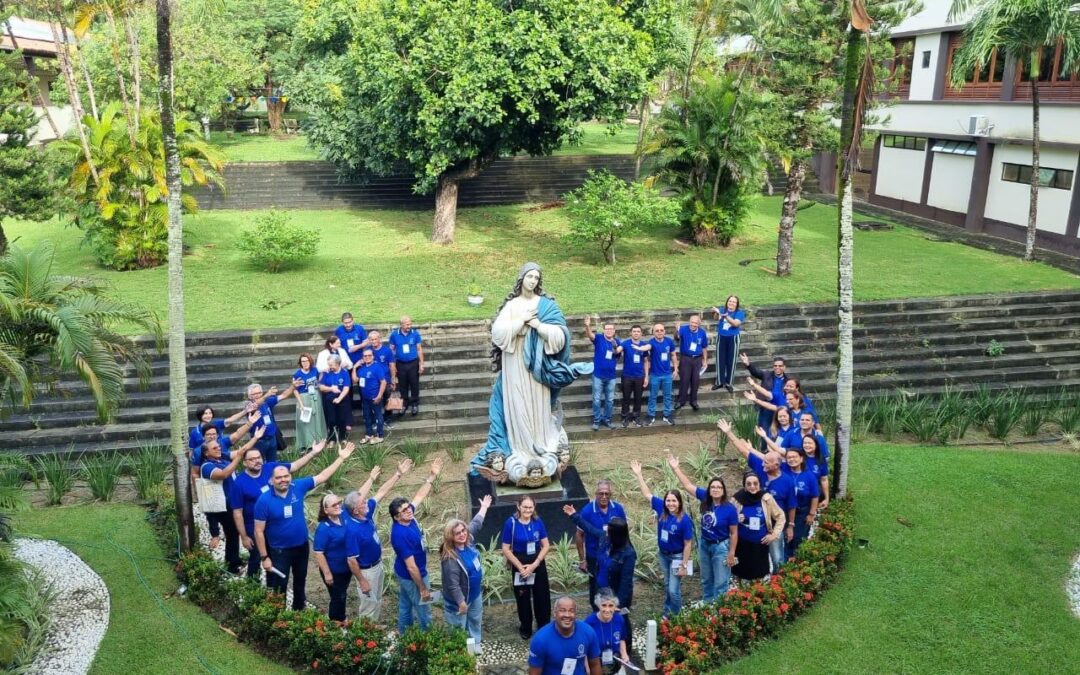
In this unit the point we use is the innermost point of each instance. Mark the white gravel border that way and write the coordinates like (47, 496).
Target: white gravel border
(80, 610)
(1072, 586)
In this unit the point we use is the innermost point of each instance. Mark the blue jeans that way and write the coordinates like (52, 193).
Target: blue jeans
(672, 584)
(776, 551)
(655, 381)
(715, 574)
(470, 620)
(409, 602)
(373, 418)
(802, 530)
(603, 399)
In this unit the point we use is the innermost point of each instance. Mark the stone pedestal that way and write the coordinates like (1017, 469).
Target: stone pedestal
(549, 499)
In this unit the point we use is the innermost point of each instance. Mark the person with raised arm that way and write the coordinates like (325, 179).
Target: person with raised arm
(281, 533)
(463, 573)
(729, 322)
(410, 566)
(214, 487)
(362, 546)
(719, 532)
(807, 496)
(674, 538)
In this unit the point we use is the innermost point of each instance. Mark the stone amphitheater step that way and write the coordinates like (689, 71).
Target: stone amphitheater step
(920, 345)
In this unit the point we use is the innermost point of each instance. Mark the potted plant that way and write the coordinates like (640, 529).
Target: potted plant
(475, 297)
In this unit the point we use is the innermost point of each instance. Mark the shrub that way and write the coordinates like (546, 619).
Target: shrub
(720, 223)
(698, 639)
(276, 243)
(151, 465)
(606, 209)
(440, 649)
(162, 516)
(101, 474)
(59, 475)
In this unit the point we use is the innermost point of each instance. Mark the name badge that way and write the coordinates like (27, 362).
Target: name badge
(351, 342)
(530, 548)
(569, 667)
(264, 488)
(664, 536)
(754, 523)
(405, 349)
(663, 357)
(637, 358)
(693, 346)
(608, 355)
(362, 381)
(287, 511)
(476, 564)
(606, 657)
(727, 326)
(267, 419)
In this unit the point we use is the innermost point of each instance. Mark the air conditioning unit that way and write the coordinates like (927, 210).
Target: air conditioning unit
(978, 125)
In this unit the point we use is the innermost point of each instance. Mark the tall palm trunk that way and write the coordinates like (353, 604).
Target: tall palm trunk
(63, 56)
(643, 122)
(134, 57)
(792, 195)
(1033, 206)
(185, 522)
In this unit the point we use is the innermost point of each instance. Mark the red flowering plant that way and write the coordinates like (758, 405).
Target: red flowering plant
(698, 639)
(440, 649)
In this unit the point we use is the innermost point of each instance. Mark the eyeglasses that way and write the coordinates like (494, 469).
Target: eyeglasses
(333, 505)
(603, 494)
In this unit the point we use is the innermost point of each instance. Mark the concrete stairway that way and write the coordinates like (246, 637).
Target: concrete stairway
(920, 345)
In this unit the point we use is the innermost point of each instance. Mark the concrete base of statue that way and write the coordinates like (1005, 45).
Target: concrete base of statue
(565, 489)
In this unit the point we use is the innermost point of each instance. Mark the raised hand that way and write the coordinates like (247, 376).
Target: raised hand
(253, 417)
(436, 466)
(404, 466)
(346, 450)
(744, 359)
(485, 502)
(760, 432)
(318, 446)
(672, 460)
(635, 466)
(723, 425)
(749, 396)
(259, 432)
(569, 509)
(374, 474)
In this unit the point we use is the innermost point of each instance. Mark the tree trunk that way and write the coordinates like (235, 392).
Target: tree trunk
(33, 83)
(845, 364)
(89, 83)
(114, 43)
(136, 69)
(643, 121)
(185, 522)
(64, 57)
(1033, 206)
(446, 196)
(274, 115)
(3, 240)
(788, 215)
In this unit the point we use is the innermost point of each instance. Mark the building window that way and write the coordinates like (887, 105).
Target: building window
(1060, 179)
(954, 148)
(983, 82)
(904, 142)
(926, 59)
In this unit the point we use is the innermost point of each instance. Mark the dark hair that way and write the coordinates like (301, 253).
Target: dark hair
(300, 359)
(200, 411)
(496, 353)
(331, 340)
(750, 474)
(708, 503)
(636, 325)
(801, 452)
(252, 448)
(775, 426)
(396, 504)
(346, 315)
(738, 303)
(780, 359)
(678, 498)
(618, 533)
(206, 426)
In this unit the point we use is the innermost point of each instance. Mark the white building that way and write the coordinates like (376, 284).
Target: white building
(35, 40)
(963, 155)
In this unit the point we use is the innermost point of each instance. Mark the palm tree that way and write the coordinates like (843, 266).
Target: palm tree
(1021, 29)
(52, 324)
(185, 521)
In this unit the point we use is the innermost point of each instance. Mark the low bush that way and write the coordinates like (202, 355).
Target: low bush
(101, 474)
(275, 242)
(59, 475)
(440, 649)
(697, 640)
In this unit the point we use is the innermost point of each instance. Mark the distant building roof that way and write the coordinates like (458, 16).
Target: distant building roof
(32, 36)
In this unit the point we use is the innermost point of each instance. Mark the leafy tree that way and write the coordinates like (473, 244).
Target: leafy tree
(26, 187)
(276, 243)
(53, 324)
(125, 214)
(606, 209)
(444, 87)
(1022, 29)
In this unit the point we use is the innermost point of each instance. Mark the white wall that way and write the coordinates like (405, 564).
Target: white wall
(934, 15)
(922, 79)
(1008, 202)
(950, 182)
(63, 117)
(900, 174)
(1058, 121)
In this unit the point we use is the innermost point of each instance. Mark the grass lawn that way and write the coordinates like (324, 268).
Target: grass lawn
(361, 251)
(976, 585)
(141, 639)
(242, 147)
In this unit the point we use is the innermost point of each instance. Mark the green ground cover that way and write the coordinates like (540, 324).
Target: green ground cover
(380, 264)
(243, 147)
(974, 585)
(141, 638)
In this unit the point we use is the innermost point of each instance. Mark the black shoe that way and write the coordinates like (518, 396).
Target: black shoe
(650, 421)
(678, 406)
(731, 389)
(625, 422)
(637, 423)
(414, 410)
(695, 406)
(716, 387)
(670, 420)
(525, 635)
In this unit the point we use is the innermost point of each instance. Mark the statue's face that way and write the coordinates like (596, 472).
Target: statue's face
(497, 463)
(535, 473)
(530, 280)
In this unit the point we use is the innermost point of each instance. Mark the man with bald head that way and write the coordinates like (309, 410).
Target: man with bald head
(782, 487)
(408, 363)
(663, 362)
(565, 646)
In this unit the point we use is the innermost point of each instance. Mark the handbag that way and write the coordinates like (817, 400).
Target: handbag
(395, 403)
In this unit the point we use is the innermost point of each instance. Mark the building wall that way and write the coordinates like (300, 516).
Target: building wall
(1008, 201)
(900, 174)
(922, 79)
(1010, 120)
(950, 182)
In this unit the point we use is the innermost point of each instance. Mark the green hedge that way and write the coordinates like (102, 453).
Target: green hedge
(307, 639)
(697, 640)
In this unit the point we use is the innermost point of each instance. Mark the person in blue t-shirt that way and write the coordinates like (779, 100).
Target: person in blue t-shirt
(729, 321)
(207, 415)
(525, 545)
(663, 362)
(352, 335)
(330, 556)
(269, 445)
(606, 349)
(772, 381)
(635, 353)
(410, 566)
(565, 647)
(807, 494)
(281, 533)
(719, 532)
(611, 630)
(408, 363)
(597, 513)
(761, 524)
(310, 420)
(370, 378)
(463, 573)
(817, 460)
(215, 484)
(693, 360)
(384, 356)
(250, 484)
(337, 406)
(674, 538)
